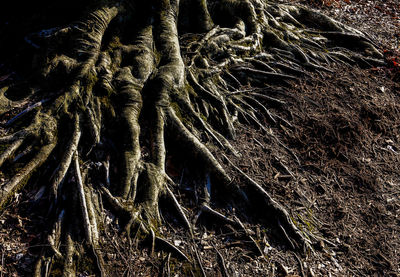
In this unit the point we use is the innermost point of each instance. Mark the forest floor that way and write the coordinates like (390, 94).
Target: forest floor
(333, 163)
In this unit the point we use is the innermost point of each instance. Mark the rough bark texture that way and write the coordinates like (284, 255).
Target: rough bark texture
(131, 86)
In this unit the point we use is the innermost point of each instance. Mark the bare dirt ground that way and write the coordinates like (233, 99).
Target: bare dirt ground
(332, 161)
(344, 132)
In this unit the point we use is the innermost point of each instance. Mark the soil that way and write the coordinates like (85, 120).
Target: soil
(344, 132)
(331, 160)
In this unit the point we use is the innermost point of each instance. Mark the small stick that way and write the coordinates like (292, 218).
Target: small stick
(206, 208)
(221, 262)
(301, 265)
(260, 252)
(178, 207)
(168, 266)
(2, 262)
(172, 247)
(203, 273)
(286, 235)
(107, 168)
(28, 109)
(153, 242)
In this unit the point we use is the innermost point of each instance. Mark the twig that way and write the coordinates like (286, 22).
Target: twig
(247, 231)
(153, 242)
(179, 208)
(203, 273)
(28, 109)
(47, 267)
(167, 264)
(260, 252)
(221, 262)
(2, 263)
(301, 265)
(285, 167)
(172, 247)
(286, 235)
(287, 148)
(107, 169)
(208, 209)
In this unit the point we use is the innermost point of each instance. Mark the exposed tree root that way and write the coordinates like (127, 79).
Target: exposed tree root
(137, 89)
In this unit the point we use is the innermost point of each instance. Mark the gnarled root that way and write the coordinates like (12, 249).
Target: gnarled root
(131, 90)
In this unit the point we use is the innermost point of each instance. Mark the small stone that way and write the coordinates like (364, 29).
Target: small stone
(177, 242)
(111, 256)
